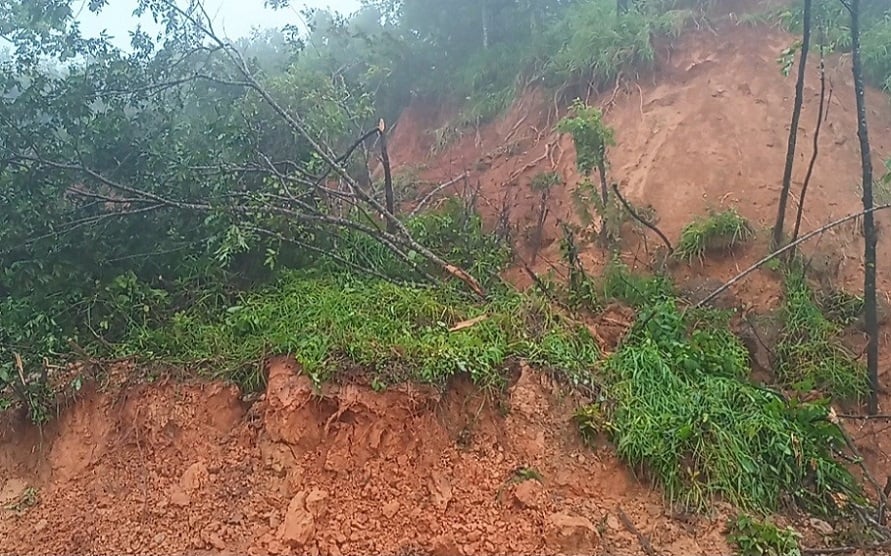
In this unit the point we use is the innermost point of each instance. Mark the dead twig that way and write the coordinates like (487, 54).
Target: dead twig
(637, 217)
(845, 549)
(881, 417)
(730, 283)
(468, 323)
(531, 164)
(436, 190)
(643, 540)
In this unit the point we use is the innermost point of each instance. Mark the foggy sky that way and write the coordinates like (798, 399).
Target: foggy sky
(233, 18)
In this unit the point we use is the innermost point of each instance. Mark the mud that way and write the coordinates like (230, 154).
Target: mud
(180, 468)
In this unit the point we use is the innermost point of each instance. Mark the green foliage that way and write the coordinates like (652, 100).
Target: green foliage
(833, 25)
(809, 353)
(393, 332)
(753, 537)
(719, 232)
(680, 409)
(590, 134)
(544, 181)
(619, 283)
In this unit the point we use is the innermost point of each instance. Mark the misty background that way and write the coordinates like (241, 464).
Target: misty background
(233, 18)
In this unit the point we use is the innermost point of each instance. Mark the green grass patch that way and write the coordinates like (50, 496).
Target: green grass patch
(619, 283)
(809, 353)
(393, 333)
(718, 232)
(679, 408)
(753, 537)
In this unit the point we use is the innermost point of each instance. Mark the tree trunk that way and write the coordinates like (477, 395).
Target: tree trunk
(483, 5)
(810, 168)
(869, 225)
(793, 130)
(388, 177)
(604, 195)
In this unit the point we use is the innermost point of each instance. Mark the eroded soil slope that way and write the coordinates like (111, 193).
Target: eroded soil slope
(177, 468)
(707, 130)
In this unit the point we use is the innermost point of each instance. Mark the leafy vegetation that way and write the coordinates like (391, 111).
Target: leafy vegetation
(761, 538)
(680, 409)
(719, 232)
(833, 24)
(393, 333)
(809, 354)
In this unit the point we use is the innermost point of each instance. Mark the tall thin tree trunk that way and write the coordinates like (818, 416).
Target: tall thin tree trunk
(869, 225)
(604, 195)
(793, 130)
(484, 4)
(810, 168)
(388, 177)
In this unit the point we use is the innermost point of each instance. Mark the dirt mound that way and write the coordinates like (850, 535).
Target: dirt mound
(174, 468)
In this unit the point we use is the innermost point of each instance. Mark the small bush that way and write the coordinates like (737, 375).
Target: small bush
(759, 538)
(809, 354)
(680, 409)
(841, 307)
(719, 232)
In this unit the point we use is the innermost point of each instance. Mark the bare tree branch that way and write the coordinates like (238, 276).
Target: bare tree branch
(727, 285)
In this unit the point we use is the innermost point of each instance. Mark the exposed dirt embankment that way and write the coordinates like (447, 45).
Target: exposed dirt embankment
(174, 468)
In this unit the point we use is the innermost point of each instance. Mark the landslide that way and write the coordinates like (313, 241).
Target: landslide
(191, 468)
(707, 130)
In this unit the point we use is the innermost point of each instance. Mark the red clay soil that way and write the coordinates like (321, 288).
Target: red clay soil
(190, 468)
(707, 131)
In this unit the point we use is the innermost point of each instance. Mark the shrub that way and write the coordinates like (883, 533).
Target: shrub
(719, 232)
(809, 354)
(681, 410)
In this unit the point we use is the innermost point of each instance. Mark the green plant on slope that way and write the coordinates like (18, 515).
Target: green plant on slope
(618, 283)
(761, 538)
(590, 134)
(809, 354)
(394, 332)
(719, 232)
(681, 410)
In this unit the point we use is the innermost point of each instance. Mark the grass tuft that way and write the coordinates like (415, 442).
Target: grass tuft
(809, 354)
(719, 232)
(680, 409)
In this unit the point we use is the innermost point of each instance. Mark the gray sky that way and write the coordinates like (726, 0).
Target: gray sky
(234, 18)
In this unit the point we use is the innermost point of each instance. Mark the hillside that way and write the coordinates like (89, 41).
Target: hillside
(707, 131)
(154, 460)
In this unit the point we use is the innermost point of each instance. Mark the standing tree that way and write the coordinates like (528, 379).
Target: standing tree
(869, 226)
(821, 115)
(591, 137)
(793, 130)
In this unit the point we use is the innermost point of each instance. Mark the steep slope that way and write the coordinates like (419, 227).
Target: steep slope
(173, 468)
(707, 130)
